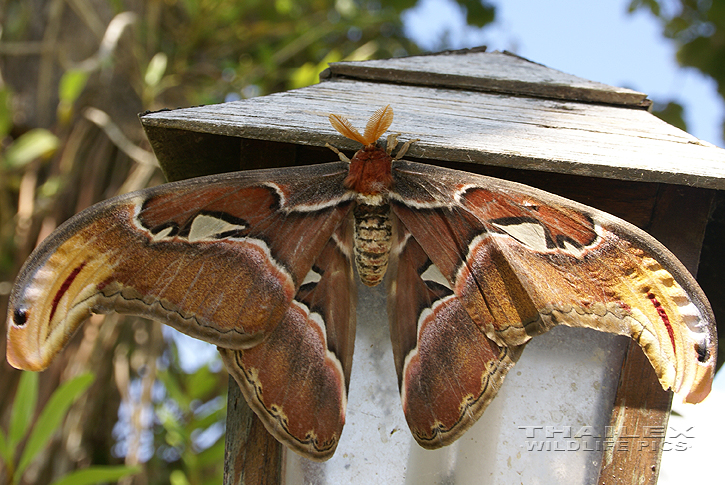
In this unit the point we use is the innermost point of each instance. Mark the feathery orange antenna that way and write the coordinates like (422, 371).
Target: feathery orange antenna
(379, 123)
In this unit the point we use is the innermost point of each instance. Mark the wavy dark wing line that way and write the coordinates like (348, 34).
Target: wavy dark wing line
(448, 370)
(297, 379)
(522, 260)
(219, 258)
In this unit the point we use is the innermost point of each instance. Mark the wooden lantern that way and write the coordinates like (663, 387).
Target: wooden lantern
(504, 116)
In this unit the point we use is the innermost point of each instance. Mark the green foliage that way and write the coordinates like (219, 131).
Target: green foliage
(23, 409)
(191, 419)
(309, 72)
(71, 85)
(652, 5)
(97, 474)
(36, 143)
(177, 53)
(478, 12)
(70, 88)
(6, 118)
(672, 113)
(698, 28)
(49, 419)
(51, 416)
(156, 69)
(229, 46)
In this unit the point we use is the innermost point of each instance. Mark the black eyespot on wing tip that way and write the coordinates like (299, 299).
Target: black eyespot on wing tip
(702, 353)
(20, 317)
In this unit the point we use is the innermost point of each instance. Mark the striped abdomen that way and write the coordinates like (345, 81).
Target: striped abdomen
(373, 239)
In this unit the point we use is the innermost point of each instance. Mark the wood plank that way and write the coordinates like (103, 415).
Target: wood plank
(679, 221)
(638, 424)
(455, 125)
(642, 407)
(494, 72)
(251, 455)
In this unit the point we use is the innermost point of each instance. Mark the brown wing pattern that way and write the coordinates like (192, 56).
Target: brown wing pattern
(448, 370)
(522, 260)
(297, 379)
(219, 258)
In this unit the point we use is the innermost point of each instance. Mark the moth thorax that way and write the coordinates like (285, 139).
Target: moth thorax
(373, 240)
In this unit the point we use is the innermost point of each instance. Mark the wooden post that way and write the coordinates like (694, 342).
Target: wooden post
(251, 455)
(642, 407)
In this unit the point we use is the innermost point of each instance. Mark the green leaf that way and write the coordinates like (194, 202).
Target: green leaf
(283, 7)
(201, 383)
(309, 73)
(71, 85)
(29, 146)
(26, 398)
(52, 415)
(97, 474)
(156, 69)
(173, 389)
(478, 13)
(51, 186)
(205, 421)
(671, 112)
(652, 5)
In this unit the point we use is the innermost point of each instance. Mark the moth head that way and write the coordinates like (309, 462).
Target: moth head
(378, 124)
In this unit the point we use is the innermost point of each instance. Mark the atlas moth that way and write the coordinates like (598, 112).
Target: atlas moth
(259, 263)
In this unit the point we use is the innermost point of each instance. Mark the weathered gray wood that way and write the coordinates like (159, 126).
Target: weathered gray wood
(496, 72)
(251, 455)
(638, 424)
(463, 126)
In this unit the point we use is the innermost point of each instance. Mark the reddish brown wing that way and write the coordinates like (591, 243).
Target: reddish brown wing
(448, 369)
(521, 261)
(297, 379)
(219, 258)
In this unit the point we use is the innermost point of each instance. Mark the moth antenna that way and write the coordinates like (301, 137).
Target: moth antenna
(343, 125)
(379, 123)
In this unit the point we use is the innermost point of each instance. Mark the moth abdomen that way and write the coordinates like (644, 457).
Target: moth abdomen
(372, 241)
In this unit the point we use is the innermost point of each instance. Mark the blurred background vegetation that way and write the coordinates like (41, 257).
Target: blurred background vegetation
(74, 76)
